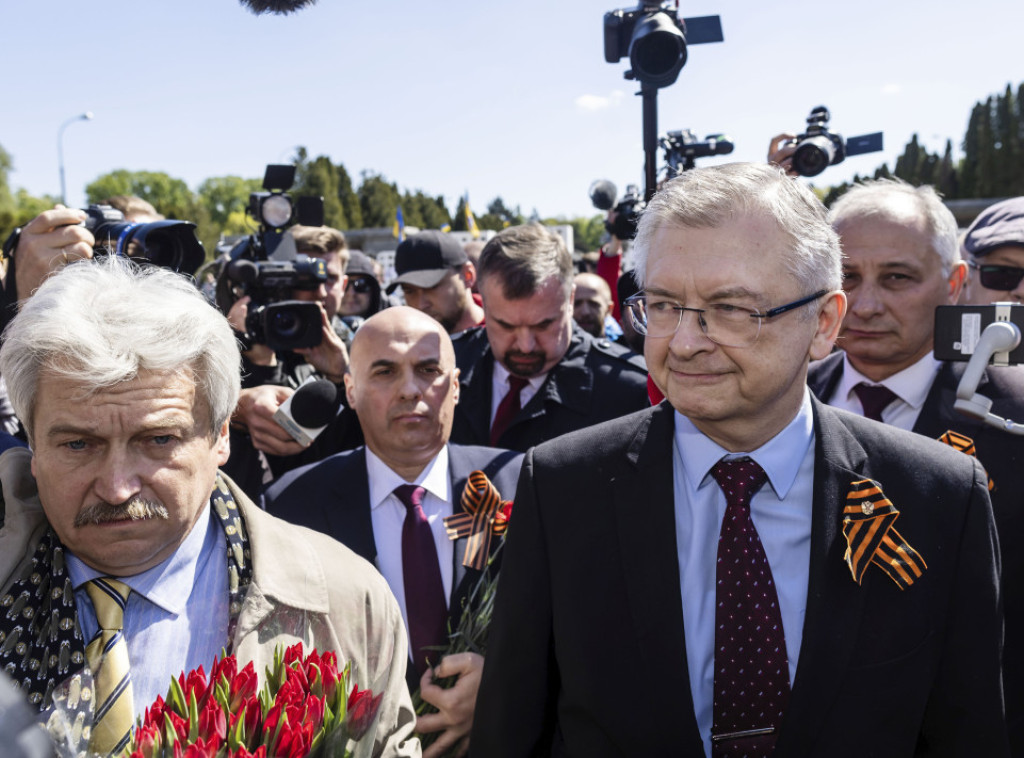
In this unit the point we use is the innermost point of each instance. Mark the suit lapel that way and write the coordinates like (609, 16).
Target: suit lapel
(458, 473)
(643, 505)
(349, 520)
(825, 375)
(834, 600)
(475, 399)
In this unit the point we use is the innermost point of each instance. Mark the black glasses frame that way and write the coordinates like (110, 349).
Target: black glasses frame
(991, 276)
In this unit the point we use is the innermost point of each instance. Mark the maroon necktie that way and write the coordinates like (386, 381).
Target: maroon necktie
(509, 407)
(751, 669)
(874, 398)
(424, 591)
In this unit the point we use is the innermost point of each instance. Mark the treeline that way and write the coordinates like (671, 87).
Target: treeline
(991, 165)
(992, 161)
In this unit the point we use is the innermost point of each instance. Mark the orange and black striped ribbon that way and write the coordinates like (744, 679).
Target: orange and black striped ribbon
(868, 520)
(483, 516)
(964, 444)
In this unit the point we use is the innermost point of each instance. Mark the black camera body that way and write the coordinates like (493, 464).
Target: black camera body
(682, 148)
(627, 211)
(274, 319)
(275, 210)
(168, 243)
(818, 148)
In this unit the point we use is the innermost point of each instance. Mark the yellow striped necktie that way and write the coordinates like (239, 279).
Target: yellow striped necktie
(107, 654)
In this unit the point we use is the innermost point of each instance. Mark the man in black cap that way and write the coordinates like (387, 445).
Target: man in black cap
(437, 278)
(994, 249)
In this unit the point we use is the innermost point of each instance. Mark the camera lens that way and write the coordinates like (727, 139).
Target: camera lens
(813, 155)
(286, 324)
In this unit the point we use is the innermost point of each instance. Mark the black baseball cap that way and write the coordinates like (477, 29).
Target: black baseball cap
(998, 225)
(424, 259)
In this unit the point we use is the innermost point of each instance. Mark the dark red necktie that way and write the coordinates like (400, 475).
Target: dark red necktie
(509, 407)
(424, 591)
(751, 669)
(874, 398)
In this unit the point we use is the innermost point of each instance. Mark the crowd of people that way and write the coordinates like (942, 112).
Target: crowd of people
(722, 489)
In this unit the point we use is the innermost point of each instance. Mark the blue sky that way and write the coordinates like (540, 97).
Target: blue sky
(489, 97)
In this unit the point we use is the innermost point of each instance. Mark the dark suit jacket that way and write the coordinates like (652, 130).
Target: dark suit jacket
(587, 651)
(333, 497)
(1002, 455)
(595, 381)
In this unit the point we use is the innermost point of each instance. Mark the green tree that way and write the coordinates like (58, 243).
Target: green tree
(169, 196)
(378, 200)
(223, 196)
(318, 178)
(8, 206)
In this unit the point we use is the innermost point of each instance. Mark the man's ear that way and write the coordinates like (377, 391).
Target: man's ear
(349, 393)
(222, 444)
(956, 280)
(468, 274)
(830, 319)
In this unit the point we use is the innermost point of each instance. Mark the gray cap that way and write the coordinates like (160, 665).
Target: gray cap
(424, 259)
(998, 225)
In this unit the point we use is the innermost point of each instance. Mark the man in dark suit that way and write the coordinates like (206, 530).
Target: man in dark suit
(902, 259)
(403, 385)
(530, 374)
(742, 570)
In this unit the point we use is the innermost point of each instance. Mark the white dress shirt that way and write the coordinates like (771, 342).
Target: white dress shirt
(781, 512)
(911, 387)
(388, 516)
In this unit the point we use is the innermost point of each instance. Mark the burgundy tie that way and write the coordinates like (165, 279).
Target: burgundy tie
(508, 409)
(751, 669)
(424, 591)
(874, 398)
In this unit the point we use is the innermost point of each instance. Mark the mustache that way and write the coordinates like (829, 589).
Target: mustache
(137, 508)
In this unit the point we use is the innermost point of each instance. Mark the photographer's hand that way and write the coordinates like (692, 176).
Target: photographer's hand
(330, 357)
(255, 412)
(780, 152)
(258, 355)
(455, 705)
(49, 242)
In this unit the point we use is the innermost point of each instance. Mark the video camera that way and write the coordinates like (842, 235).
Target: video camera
(274, 319)
(682, 149)
(168, 243)
(628, 209)
(654, 39)
(818, 148)
(267, 269)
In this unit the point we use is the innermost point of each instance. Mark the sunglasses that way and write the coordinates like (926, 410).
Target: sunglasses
(361, 286)
(999, 278)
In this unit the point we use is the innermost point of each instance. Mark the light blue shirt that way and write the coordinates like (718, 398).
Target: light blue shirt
(781, 511)
(176, 618)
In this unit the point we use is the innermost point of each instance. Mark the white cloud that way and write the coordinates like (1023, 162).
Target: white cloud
(599, 102)
(892, 89)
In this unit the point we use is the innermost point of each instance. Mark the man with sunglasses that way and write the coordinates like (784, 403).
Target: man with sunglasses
(678, 581)
(902, 261)
(994, 245)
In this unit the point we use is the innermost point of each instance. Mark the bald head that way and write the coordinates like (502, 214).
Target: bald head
(592, 303)
(403, 385)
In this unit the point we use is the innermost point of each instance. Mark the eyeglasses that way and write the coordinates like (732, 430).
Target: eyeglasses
(724, 324)
(360, 285)
(999, 278)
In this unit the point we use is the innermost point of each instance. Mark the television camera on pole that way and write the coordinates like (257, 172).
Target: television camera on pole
(654, 39)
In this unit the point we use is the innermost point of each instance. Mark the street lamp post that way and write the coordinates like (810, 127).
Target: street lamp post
(60, 150)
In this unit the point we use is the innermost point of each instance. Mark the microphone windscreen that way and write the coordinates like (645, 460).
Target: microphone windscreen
(280, 7)
(314, 404)
(602, 194)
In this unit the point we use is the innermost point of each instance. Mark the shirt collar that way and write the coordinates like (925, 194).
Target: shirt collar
(501, 375)
(168, 584)
(911, 385)
(383, 480)
(780, 457)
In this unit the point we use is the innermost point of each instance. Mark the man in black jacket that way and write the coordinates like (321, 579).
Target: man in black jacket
(530, 374)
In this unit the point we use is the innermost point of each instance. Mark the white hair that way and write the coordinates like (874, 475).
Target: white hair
(707, 198)
(101, 323)
(880, 197)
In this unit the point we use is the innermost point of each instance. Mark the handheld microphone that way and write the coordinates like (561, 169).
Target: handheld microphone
(308, 412)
